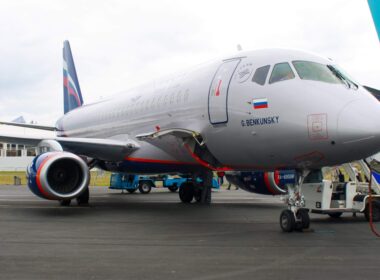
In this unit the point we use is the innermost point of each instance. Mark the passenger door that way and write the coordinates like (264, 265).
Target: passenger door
(218, 95)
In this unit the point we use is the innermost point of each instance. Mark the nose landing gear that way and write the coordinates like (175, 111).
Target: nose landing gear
(295, 217)
(298, 222)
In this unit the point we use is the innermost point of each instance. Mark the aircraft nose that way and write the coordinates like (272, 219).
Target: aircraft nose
(359, 125)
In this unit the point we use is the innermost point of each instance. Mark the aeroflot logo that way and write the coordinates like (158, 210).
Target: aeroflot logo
(244, 72)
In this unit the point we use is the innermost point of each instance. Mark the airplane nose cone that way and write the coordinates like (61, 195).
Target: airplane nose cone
(359, 125)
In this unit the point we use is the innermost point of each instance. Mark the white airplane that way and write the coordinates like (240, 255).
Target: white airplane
(254, 111)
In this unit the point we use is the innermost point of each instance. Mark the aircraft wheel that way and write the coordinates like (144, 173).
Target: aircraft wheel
(84, 197)
(173, 188)
(335, 215)
(198, 195)
(287, 221)
(304, 218)
(145, 187)
(65, 202)
(131, 190)
(208, 195)
(186, 192)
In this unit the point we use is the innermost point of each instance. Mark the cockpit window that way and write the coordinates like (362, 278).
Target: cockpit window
(261, 74)
(343, 76)
(281, 72)
(314, 71)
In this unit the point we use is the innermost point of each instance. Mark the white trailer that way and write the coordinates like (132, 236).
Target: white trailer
(336, 198)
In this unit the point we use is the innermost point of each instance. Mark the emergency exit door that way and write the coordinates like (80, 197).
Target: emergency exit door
(218, 95)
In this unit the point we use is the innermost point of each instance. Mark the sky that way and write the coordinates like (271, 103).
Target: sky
(120, 44)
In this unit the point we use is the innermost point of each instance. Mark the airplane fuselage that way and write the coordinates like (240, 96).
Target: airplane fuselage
(249, 120)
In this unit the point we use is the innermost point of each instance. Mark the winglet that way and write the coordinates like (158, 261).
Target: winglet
(374, 6)
(72, 96)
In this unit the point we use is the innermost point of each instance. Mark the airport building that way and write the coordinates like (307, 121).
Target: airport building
(14, 157)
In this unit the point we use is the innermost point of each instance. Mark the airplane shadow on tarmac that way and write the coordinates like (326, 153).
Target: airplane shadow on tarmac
(140, 204)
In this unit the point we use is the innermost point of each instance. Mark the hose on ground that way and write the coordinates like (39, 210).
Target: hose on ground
(370, 207)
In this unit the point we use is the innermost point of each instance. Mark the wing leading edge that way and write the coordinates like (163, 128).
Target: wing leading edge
(102, 149)
(26, 125)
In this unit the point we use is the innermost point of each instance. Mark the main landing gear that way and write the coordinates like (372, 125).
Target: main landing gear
(200, 192)
(295, 217)
(82, 200)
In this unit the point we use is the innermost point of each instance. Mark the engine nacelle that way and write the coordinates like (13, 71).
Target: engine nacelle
(58, 175)
(272, 183)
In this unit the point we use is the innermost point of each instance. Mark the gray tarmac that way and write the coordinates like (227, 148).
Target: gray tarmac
(154, 236)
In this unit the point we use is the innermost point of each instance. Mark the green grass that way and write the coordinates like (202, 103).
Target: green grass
(97, 178)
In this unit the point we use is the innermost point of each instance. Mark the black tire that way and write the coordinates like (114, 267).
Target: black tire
(84, 197)
(145, 187)
(197, 194)
(173, 188)
(208, 196)
(186, 192)
(335, 215)
(65, 202)
(287, 221)
(375, 212)
(131, 190)
(303, 215)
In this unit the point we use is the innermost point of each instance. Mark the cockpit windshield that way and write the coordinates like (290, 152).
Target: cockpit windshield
(341, 74)
(314, 71)
(308, 70)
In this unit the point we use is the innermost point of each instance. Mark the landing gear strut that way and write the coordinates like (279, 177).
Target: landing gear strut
(295, 217)
(205, 188)
(84, 197)
(201, 192)
(81, 200)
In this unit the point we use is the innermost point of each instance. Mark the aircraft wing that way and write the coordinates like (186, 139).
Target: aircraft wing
(26, 125)
(102, 149)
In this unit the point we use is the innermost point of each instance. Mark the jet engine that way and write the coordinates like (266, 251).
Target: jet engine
(272, 183)
(58, 175)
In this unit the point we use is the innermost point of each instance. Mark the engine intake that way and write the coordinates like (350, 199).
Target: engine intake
(58, 175)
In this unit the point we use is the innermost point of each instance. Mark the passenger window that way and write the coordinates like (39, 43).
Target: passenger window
(261, 74)
(281, 72)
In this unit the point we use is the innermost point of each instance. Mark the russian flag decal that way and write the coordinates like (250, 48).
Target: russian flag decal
(260, 103)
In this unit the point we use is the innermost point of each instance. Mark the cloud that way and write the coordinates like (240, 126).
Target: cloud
(118, 44)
